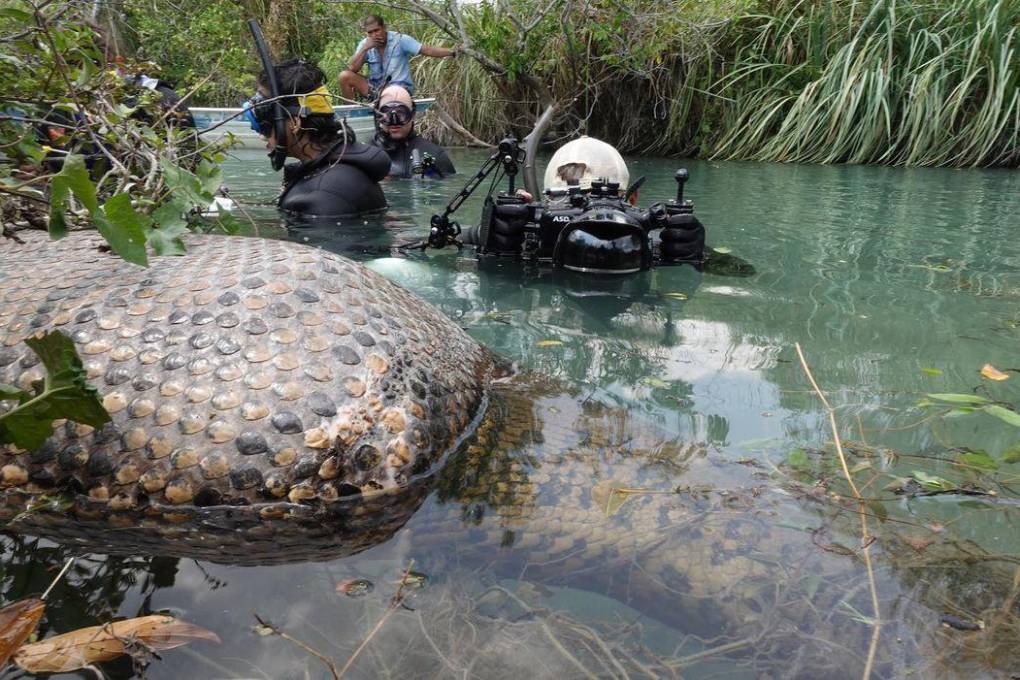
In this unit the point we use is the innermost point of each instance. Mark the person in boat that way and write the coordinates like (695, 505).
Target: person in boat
(387, 54)
(411, 155)
(335, 176)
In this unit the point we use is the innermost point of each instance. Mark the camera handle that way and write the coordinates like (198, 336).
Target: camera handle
(681, 177)
(444, 230)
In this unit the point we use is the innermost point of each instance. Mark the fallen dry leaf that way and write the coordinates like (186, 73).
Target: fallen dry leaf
(17, 621)
(918, 543)
(548, 343)
(992, 373)
(71, 651)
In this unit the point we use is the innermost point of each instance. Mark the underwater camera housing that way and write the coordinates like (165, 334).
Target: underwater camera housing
(595, 231)
(591, 231)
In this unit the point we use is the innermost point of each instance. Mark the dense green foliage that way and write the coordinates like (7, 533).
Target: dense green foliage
(86, 143)
(863, 81)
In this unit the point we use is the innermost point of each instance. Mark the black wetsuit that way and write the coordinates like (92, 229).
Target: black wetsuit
(342, 182)
(408, 156)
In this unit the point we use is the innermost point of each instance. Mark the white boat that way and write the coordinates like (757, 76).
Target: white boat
(359, 117)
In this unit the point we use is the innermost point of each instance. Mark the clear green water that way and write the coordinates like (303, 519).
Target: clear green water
(680, 382)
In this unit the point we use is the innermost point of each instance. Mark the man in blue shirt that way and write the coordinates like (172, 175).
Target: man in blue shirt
(387, 54)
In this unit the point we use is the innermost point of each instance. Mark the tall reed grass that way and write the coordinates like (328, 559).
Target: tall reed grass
(900, 82)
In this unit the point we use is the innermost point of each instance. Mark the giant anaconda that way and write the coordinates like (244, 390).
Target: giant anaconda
(270, 402)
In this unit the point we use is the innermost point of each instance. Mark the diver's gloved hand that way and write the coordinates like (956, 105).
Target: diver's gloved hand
(506, 219)
(683, 239)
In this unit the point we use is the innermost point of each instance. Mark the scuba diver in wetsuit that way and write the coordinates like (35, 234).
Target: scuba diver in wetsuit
(335, 176)
(410, 154)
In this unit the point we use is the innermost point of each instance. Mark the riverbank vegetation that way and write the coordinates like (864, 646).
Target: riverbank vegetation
(866, 81)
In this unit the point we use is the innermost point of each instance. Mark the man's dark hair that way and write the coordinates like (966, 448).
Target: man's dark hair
(373, 19)
(297, 76)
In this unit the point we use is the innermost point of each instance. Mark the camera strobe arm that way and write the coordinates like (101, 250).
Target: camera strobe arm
(445, 231)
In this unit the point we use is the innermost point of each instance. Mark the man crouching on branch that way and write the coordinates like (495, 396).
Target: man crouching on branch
(387, 54)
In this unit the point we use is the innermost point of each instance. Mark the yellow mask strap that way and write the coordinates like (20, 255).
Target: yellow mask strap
(317, 101)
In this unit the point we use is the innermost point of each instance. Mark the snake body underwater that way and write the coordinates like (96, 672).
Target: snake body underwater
(269, 402)
(272, 403)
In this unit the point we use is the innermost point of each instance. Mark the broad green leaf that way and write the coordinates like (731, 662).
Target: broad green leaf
(960, 398)
(166, 239)
(228, 224)
(185, 185)
(210, 176)
(64, 369)
(75, 176)
(10, 392)
(979, 459)
(85, 72)
(25, 429)
(1004, 414)
(64, 394)
(123, 228)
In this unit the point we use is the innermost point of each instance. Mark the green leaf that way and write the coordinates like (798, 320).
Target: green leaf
(932, 482)
(228, 224)
(165, 235)
(798, 459)
(124, 228)
(210, 175)
(10, 392)
(979, 459)
(1011, 455)
(931, 371)
(186, 185)
(961, 411)
(64, 394)
(1004, 414)
(17, 14)
(960, 398)
(76, 177)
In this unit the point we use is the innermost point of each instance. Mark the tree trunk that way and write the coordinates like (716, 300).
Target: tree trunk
(277, 27)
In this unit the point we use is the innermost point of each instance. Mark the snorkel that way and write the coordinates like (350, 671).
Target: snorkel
(278, 156)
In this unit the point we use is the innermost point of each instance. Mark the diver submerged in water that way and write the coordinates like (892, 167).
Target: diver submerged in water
(587, 221)
(335, 175)
(410, 154)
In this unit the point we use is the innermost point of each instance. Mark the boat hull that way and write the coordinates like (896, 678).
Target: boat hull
(211, 125)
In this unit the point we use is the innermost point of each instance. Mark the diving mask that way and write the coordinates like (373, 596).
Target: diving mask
(259, 115)
(393, 115)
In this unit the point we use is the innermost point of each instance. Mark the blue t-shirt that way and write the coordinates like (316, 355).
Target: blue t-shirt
(394, 63)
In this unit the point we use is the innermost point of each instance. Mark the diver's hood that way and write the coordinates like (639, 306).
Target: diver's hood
(593, 157)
